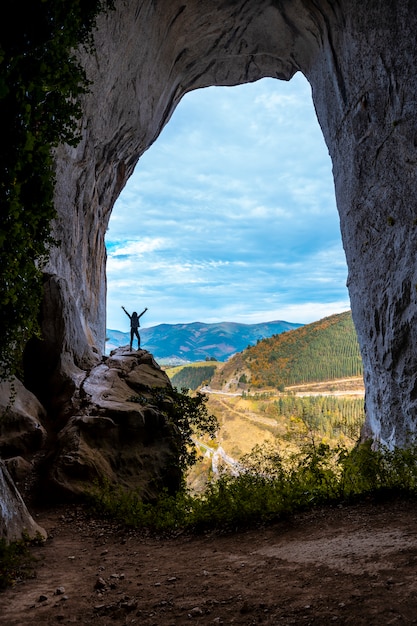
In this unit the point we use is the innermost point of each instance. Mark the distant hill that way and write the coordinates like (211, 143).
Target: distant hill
(325, 350)
(188, 343)
(194, 375)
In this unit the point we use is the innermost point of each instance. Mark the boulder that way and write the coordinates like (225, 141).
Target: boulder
(19, 469)
(21, 423)
(15, 519)
(119, 436)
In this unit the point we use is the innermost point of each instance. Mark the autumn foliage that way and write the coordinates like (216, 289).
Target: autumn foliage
(325, 350)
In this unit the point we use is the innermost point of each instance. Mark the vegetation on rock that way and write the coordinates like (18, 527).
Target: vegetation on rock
(188, 414)
(40, 85)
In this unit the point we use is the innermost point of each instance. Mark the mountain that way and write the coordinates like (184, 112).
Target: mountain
(324, 350)
(187, 343)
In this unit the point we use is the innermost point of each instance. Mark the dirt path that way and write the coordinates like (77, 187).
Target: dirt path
(339, 387)
(354, 565)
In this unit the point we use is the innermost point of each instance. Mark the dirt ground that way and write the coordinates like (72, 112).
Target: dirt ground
(343, 565)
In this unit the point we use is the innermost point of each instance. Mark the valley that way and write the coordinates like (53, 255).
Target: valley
(279, 420)
(295, 388)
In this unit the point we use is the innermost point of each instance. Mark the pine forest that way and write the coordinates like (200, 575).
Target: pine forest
(325, 350)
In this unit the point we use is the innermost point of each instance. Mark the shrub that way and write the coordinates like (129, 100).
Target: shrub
(271, 486)
(188, 414)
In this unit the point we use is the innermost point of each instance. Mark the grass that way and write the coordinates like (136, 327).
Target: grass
(237, 429)
(271, 487)
(16, 561)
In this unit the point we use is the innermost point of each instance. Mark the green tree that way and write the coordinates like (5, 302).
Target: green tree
(188, 414)
(193, 377)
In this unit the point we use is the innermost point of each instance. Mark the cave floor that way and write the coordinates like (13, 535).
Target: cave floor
(345, 565)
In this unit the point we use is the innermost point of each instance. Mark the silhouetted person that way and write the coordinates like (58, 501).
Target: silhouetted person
(134, 325)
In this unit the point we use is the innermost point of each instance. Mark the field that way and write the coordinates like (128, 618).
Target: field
(328, 412)
(180, 375)
(299, 387)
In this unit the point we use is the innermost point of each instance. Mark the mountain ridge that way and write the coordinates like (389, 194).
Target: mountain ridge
(198, 341)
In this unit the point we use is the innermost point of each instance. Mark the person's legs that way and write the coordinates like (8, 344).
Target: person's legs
(132, 334)
(137, 335)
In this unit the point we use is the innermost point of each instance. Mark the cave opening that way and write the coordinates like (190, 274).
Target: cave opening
(230, 215)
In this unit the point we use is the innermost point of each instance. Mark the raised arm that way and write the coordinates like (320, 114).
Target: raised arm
(129, 316)
(144, 311)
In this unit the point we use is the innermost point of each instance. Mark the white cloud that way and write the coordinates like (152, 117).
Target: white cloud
(138, 248)
(231, 214)
(306, 312)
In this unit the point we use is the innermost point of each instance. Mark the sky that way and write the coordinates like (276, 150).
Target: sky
(230, 215)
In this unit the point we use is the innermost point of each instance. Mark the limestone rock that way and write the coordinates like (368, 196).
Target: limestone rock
(360, 60)
(21, 429)
(115, 438)
(15, 519)
(18, 468)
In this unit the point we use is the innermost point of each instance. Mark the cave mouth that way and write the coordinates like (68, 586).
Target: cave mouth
(230, 215)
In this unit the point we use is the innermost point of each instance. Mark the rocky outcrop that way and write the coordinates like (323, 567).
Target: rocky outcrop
(117, 429)
(117, 434)
(22, 436)
(22, 432)
(360, 61)
(15, 520)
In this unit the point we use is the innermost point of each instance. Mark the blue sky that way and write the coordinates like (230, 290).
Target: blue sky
(230, 215)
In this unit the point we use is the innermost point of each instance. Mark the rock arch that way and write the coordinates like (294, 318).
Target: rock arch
(360, 61)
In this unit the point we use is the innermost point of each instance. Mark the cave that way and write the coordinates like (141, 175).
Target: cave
(359, 61)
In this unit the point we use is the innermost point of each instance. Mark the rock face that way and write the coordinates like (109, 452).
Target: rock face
(117, 435)
(21, 425)
(117, 429)
(22, 435)
(360, 61)
(15, 519)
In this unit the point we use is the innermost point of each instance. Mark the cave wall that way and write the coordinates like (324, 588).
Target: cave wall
(364, 89)
(359, 59)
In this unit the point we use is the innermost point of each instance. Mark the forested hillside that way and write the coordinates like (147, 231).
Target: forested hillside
(193, 377)
(325, 350)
